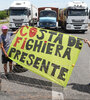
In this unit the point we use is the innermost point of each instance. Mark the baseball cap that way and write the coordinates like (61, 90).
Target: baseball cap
(4, 27)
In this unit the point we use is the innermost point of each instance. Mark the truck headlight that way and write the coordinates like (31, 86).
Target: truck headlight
(26, 24)
(68, 26)
(86, 26)
(52, 24)
(40, 23)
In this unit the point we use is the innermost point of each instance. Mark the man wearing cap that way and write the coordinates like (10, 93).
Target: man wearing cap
(5, 41)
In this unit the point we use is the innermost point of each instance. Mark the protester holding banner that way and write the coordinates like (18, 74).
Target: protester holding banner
(5, 41)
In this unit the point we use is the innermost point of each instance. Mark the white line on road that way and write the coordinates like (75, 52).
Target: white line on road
(57, 95)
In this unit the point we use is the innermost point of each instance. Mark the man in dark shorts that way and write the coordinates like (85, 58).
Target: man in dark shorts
(5, 41)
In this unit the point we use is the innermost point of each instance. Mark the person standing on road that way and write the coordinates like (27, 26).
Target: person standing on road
(5, 41)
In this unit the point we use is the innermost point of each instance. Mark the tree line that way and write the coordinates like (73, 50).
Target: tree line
(4, 14)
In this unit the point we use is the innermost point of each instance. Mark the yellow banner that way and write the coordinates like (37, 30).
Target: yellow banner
(47, 53)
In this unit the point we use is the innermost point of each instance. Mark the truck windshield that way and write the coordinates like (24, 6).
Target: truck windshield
(77, 12)
(18, 12)
(48, 13)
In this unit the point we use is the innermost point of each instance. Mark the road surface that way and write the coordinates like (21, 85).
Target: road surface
(29, 86)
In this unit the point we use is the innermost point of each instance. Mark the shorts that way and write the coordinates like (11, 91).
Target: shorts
(5, 59)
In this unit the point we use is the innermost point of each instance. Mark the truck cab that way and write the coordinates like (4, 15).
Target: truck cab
(21, 13)
(75, 16)
(48, 17)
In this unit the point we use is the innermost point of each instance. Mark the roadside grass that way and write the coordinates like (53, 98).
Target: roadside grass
(4, 22)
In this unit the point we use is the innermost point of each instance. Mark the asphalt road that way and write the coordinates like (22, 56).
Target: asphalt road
(77, 87)
(29, 86)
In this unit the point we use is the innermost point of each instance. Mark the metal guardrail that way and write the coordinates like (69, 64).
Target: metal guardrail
(4, 20)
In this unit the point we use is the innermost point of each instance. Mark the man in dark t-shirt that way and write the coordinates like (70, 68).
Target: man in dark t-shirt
(5, 41)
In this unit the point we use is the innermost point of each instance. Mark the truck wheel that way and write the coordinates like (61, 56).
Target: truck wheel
(17, 68)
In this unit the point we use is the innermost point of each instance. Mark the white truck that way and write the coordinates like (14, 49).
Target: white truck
(74, 16)
(22, 13)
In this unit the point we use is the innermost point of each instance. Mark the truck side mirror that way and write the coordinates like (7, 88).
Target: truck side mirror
(29, 12)
(35, 14)
(89, 14)
(7, 12)
(65, 12)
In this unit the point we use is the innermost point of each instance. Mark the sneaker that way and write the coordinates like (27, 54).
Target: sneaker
(3, 76)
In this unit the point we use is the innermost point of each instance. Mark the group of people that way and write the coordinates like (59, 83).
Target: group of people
(5, 41)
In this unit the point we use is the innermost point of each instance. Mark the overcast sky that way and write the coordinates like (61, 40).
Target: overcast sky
(4, 4)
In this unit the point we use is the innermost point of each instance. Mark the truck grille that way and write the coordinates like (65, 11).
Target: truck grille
(77, 21)
(18, 20)
(47, 24)
(77, 27)
(77, 24)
